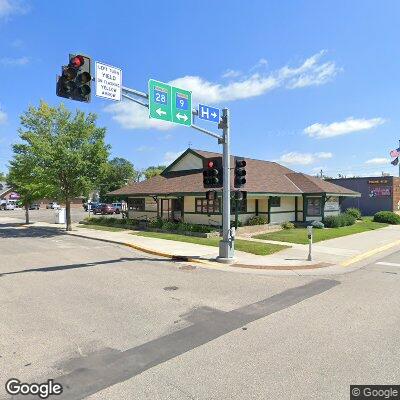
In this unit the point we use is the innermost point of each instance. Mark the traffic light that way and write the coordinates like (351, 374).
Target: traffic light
(75, 80)
(212, 172)
(240, 172)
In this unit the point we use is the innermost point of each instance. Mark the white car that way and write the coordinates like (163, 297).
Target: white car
(9, 206)
(53, 205)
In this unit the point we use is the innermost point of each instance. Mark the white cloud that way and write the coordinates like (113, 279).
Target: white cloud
(324, 155)
(171, 156)
(231, 73)
(378, 161)
(134, 116)
(350, 125)
(3, 117)
(10, 7)
(303, 158)
(8, 61)
(310, 73)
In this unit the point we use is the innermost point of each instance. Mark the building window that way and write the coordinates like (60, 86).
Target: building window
(314, 207)
(275, 201)
(204, 206)
(242, 206)
(136, 204)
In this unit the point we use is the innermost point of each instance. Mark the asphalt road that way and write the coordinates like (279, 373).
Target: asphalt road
(44, 215)
(108, 322)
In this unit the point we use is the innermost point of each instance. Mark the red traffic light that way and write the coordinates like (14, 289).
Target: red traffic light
(210, 164)
(77, 61)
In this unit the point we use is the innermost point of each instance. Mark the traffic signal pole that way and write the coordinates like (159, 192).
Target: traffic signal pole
(227, 244)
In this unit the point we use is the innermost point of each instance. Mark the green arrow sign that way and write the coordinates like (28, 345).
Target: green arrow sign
(170, 103)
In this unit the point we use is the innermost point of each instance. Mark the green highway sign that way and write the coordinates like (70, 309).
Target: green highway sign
(169, 103)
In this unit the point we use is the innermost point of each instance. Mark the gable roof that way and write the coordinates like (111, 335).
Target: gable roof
(262, 177)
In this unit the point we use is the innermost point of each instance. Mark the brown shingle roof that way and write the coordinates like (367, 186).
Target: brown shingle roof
(262, 177)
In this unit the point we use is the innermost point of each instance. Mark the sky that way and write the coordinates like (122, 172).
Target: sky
(310, 84)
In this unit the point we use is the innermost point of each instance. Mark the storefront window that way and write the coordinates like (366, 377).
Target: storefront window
(136, 204)
(275, 201)
(204, 206)
(314, 207)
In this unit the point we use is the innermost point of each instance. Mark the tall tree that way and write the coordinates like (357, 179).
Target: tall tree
(117, 172)
(68, 151)
(3, 177)
(153, 171)
(22, 179)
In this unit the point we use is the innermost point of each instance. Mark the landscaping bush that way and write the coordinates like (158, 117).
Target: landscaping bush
(355, 212)
(332, 221)
(336, 221)
(387, 217)
(347, 219)
(257, 220)
(156, 223)
(287, 225)
(317, 225)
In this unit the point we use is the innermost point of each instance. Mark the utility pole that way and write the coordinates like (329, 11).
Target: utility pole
(226, 245)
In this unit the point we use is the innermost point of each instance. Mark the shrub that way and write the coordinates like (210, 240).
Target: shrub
(333, 221)
(355, 212)
(169, 226)
(336, 221)
(347, 219)
(317, 225)
(156, 223)
(287, 225)
(257, 220)
(387, 217)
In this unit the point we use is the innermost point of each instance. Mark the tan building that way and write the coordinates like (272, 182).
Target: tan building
(273, 191)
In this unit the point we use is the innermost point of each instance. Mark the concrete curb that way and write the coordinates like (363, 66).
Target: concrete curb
(305, 267)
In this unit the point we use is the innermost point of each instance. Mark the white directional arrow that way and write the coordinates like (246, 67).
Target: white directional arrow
(180, 116)
(160, 112)
(214, 114)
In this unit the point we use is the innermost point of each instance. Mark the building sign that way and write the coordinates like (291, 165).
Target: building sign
(14, 196)
(378, 181)
(332, 204)
(380, 191)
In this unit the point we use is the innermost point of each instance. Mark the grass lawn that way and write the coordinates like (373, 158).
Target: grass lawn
(261, 249)
(299, 235)
(102, 228)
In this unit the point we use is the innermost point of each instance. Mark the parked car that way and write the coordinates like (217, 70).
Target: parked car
(34, 206)
(53, 205)
(118, 207)
(9, 206)
(93, 205)
(104, 209)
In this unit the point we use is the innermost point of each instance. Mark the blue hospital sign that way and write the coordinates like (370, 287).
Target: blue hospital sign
(208, 113)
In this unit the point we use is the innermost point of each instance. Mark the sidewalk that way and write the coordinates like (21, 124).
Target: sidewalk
(330, 256)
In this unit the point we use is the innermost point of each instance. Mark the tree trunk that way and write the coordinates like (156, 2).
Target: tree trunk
(27, 213)
(68, 214)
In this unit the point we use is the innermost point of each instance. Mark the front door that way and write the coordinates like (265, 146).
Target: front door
(165, 208)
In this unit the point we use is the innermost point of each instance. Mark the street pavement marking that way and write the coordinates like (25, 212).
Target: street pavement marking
(389, 264)
(92, 373)
(370, 253)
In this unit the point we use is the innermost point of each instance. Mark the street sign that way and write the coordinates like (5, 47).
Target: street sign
(170, 103)
(208, 113)
(108, 81)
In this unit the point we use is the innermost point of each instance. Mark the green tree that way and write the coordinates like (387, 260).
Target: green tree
(117, 173)
(22, 179)
(3, 177)
(68, 152)
(153, 171)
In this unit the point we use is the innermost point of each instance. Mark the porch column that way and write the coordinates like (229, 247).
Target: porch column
(295, 208)
(304, 207)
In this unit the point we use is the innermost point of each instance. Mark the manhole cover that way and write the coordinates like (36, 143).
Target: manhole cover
(171, 288)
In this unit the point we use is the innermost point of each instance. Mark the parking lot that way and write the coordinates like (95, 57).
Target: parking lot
(45, 215)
